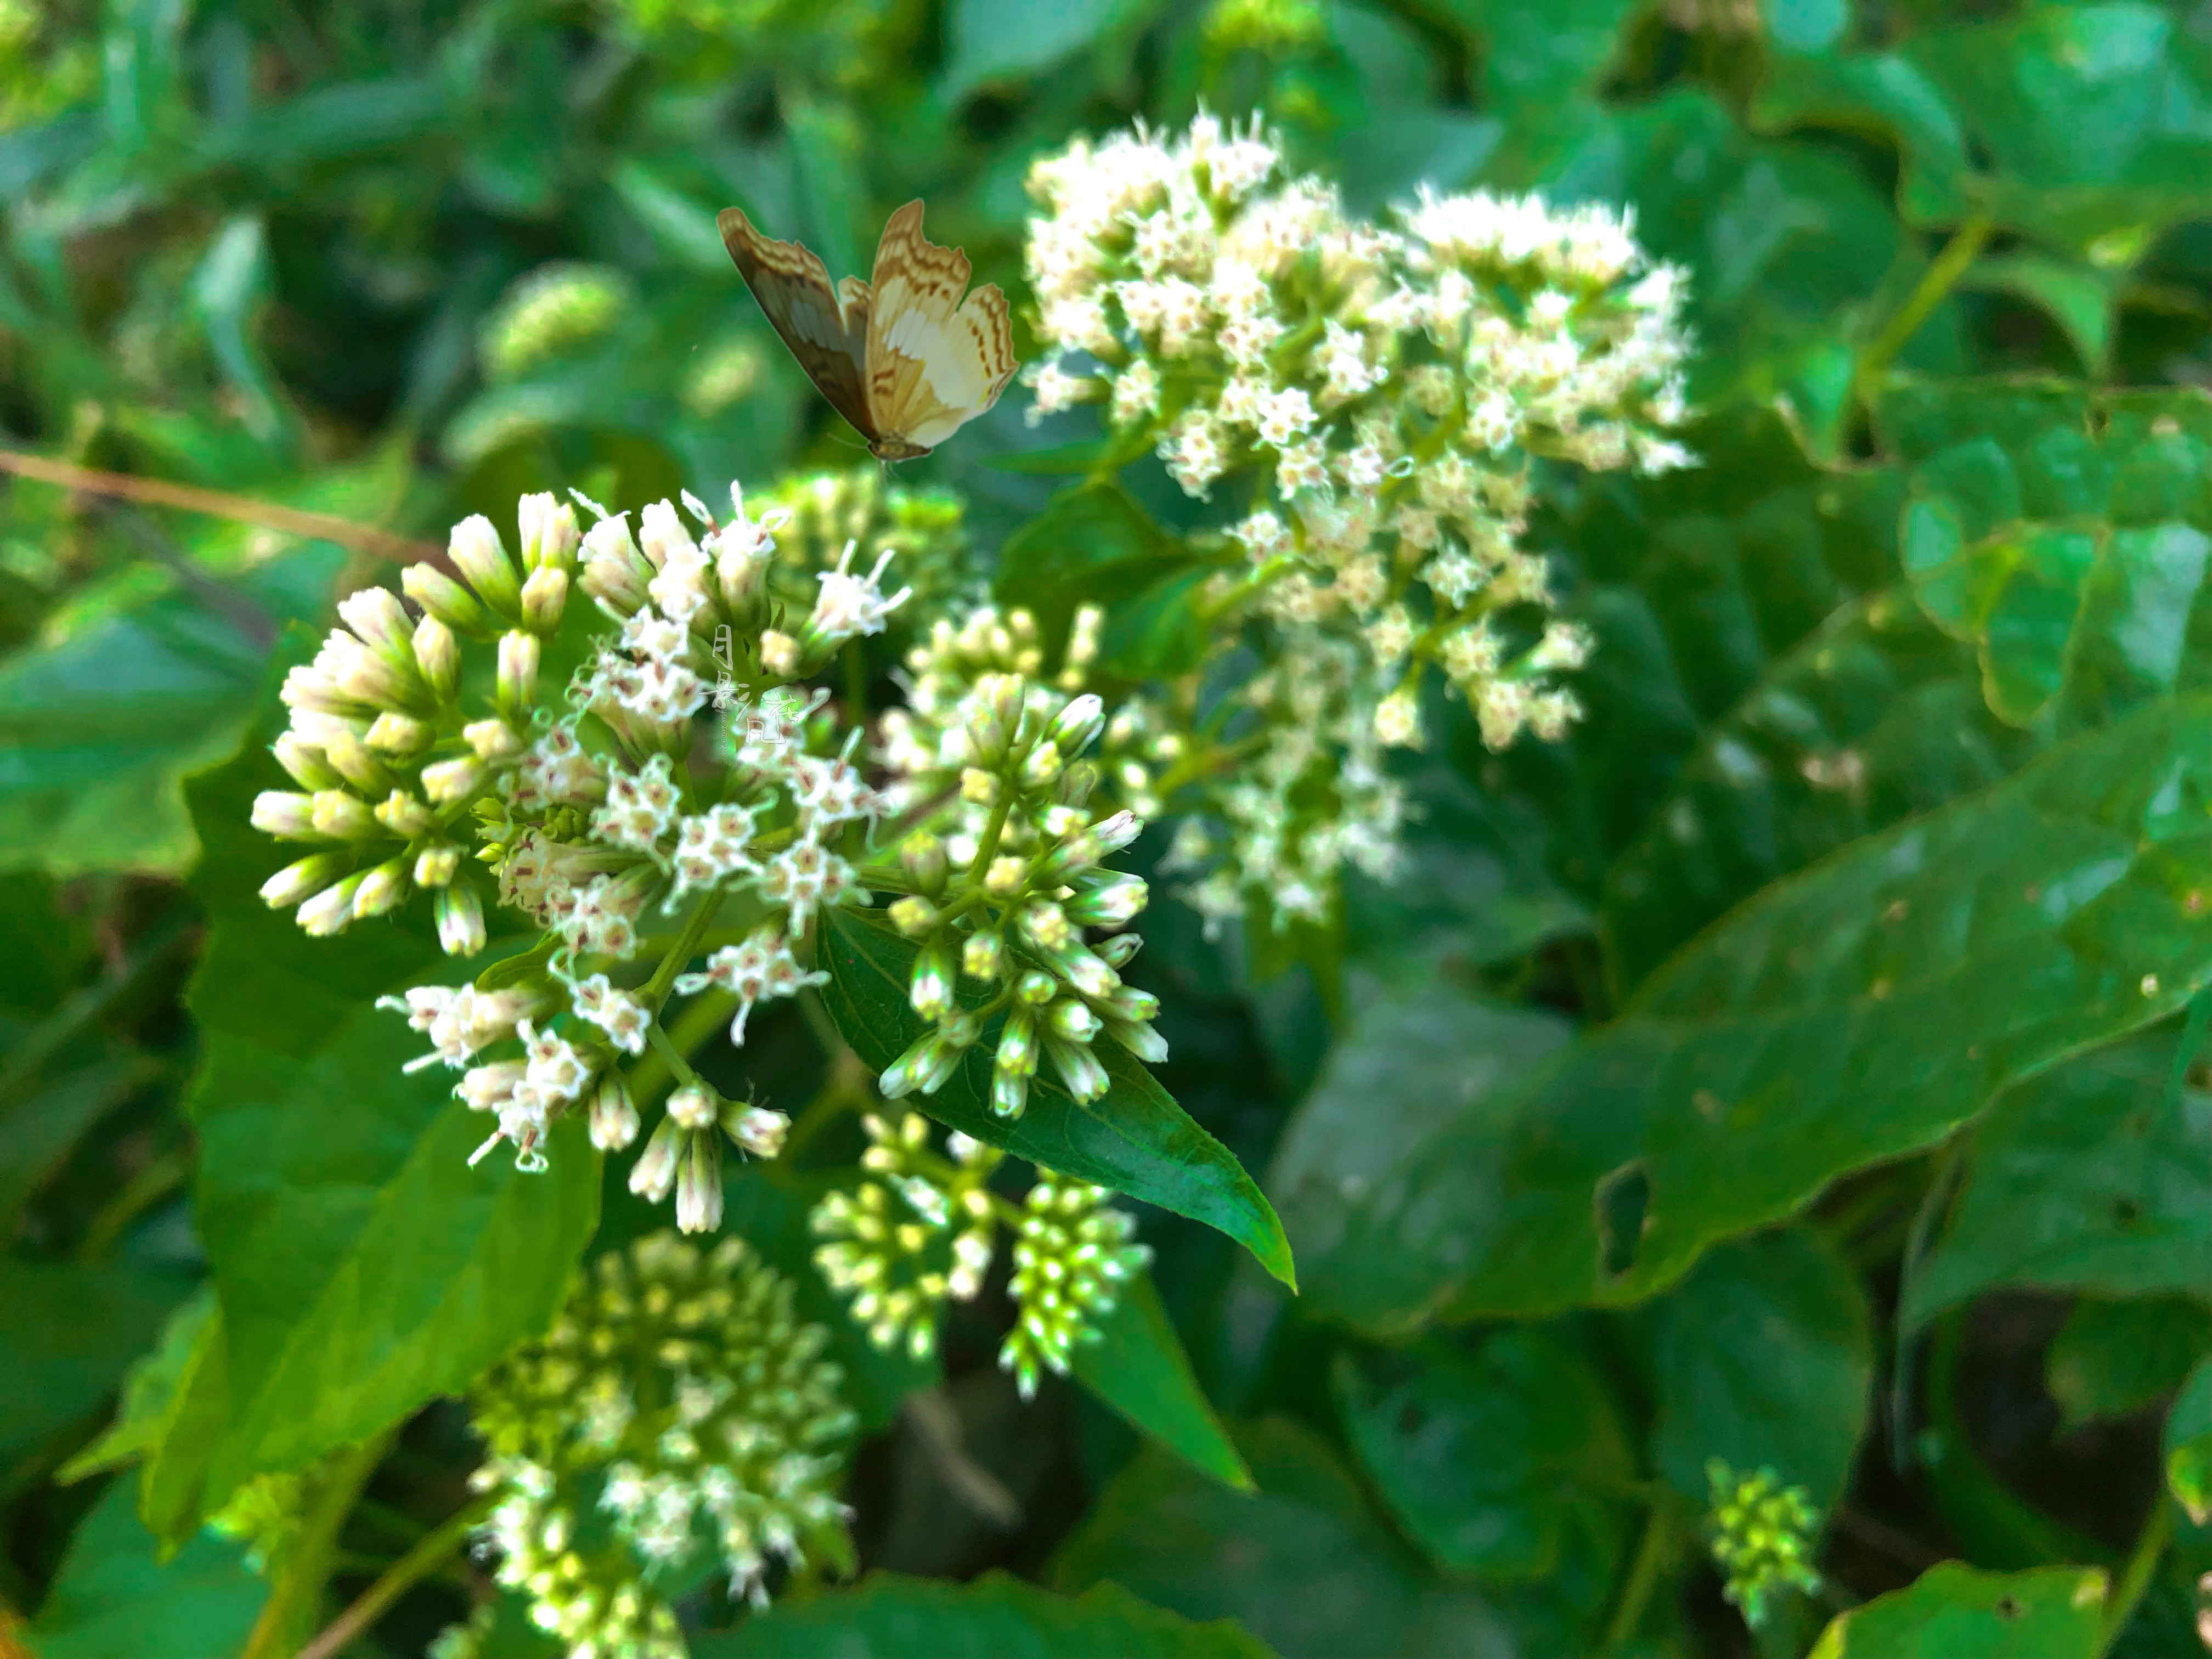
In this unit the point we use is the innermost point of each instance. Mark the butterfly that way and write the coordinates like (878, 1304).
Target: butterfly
(904, 359)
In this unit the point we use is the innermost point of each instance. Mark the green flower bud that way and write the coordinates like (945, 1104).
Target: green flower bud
(446, 601)
(930, 988)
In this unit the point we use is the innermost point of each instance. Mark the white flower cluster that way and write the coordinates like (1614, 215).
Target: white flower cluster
(1381, 390)
(825, 512)
(1005, 898)
(926, 1229)
(681, 1387)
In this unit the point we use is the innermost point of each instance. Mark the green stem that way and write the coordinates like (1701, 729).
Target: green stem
(691, 1027)
(654, 991)
(1652, 1550)
(302, 1572)
(144, 1190)
(671, 1056)
(428, 1556)
(1924, 1224)
(856, 683)
(2135, 1576)
(1896, 333)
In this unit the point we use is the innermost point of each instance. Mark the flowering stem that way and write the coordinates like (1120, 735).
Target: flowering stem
(2134, 1578)
(671, 1056)
(1652, 1550)
(692, 1027)
(654, 992)
(1906, 321)
(428, 1556)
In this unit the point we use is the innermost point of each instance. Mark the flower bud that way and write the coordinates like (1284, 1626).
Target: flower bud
(613, 1118)
(303, 880)
(385, 888)
(1091, 846)
(1078, 1068)
(443, 598)
(287, 817)
(1017, 1046)
(1010, 1093)
(518, 671)
(447, 781)
(1071, 1020)
(930, 988)
(1043, 765)
(1034, 988)
(653, 1173)
(330, 910)
(395, 733)
(913, 917)
(924, 1067)
(1138, 1038)
(694, 1107)
(309, 767)
(1076, 783)
(979, 787)
(1128, 1002)
(460, 916)
(405, 815)
(779, 654)
(438, 653)
(543, 598)
(549, 532)
(756, 1128)
(1084, 971)
(1109, 902)
(923, 857)
(1007, 877)
(492, 740)
(980, 957)
(435, 865)
(356, 762)
(699, 1185)
(1074, 728)
(476, 553)
(343, 817)
(614, 573)
(1045, 924)
(994, 717)
(1115, 952)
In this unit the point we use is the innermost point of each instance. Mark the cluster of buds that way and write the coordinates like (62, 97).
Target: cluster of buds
(921, 1231)
(1384, 389)
(678, 1413)
(1003, 899)
(1761, 1534)
(925, 1230)
(389, 762)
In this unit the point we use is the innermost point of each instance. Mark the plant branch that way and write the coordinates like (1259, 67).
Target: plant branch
(428, 1556)
(1938, 280)
(243, 509)
(1652, 1550)
(298, 1578)
(2134, 1576)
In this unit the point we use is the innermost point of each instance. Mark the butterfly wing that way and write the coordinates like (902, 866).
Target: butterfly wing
(826, 329)
(934, 362)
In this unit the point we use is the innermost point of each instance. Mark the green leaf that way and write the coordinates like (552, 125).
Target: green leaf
(2087, 1178)
(39, 1128)
(2080, 298)
(2188, 1445)
(151, 1394)
(1138, 1367)
(989, 41)
(1301, 1564)
(2111, 1359)
(1858, 1011)
(364, 1267)
(113, 1600)
(2067, 538)
(1412, 1064)
(67, 1331)
(102, 726)
(1092, 544)
(888, 1616)
(1763, 1357)
(1135, 1139)
(1954, 1611)
(1505, 1462)
(1540, 72)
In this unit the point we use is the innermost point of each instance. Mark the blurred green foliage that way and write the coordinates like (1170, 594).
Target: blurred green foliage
(1800, 1066)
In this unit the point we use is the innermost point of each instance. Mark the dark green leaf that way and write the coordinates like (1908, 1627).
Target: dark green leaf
(1092, 544)
(2088, 1178)
(113, 1600)
(152, 1393)
(996, 40)
(1954, 1611)
(1854, 1012)
(2188, 1445)
(889, 1616)
(1134, 1139)
(1412, 1065)
(1507, 1461)
(1764, 1357)
(66, 1334)
(2115, 1358)
(1301, 1564)
(1138, 1367)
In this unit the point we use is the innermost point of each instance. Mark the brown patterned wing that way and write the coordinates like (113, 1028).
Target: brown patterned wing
(934, 362)
(826, 329)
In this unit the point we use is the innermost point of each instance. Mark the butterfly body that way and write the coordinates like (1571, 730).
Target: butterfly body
(904, 358)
